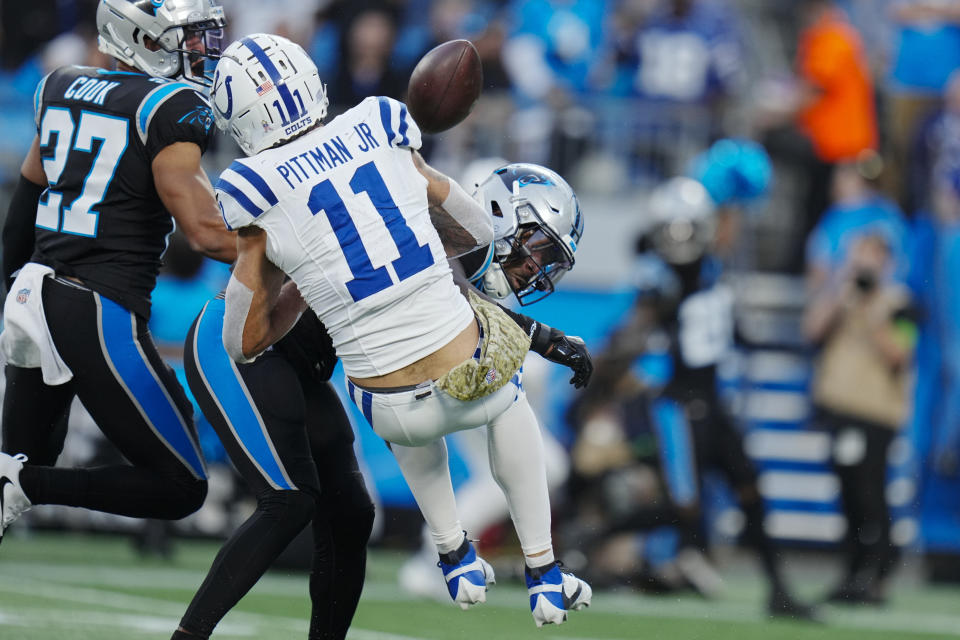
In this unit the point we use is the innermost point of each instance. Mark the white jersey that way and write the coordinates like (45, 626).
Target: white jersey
(346, 216)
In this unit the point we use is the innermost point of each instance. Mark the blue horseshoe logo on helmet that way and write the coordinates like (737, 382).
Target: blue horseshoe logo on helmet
(216, 87)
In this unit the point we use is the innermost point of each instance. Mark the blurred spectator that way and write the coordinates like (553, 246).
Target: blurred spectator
(935, 149)
(551, 58)
(365, 68)
(554, 47)
(936, 263)
(832, 106)
(857, 209)
(862, 321)
(928, 51)
(27, 26)
(837, 111)
(687, 51)
(293, 19)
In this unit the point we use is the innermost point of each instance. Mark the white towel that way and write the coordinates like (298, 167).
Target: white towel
(26, 340)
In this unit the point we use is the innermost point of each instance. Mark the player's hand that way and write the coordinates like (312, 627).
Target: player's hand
(570, 351)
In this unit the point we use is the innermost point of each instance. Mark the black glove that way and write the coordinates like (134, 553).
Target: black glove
(570, 351)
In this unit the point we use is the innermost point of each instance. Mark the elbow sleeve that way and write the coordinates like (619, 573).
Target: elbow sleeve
(237, 306)
(469, 214)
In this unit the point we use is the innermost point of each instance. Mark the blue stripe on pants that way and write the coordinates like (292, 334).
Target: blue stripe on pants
(119, 333)
(366, 401)
(676, 450)
(224, 383)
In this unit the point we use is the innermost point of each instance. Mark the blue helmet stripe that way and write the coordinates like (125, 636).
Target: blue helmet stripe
(275, 76)
(239, 196)
(256, 180)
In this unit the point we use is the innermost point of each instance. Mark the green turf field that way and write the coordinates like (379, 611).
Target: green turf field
(71, 587)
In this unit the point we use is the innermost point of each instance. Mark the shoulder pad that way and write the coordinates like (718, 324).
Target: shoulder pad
(152, 102)
(401, 130)
(243, 195)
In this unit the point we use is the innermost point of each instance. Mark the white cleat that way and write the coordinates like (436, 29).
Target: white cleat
(554, 592)
(13, 501)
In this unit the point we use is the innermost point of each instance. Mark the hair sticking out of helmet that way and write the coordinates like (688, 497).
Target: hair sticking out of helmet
(266, 91)
(165, 38)
(537, 225)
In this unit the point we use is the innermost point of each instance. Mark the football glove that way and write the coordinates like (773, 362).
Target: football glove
(571, 351)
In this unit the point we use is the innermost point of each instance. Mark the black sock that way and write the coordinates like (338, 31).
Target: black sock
(537, 572)
(454, 557)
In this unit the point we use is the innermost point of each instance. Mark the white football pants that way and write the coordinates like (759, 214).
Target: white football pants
(415, 421)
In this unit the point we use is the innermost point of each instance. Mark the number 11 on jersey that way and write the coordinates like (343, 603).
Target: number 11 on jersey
(367, 280)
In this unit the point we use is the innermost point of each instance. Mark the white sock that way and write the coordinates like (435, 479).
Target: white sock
(427, 472)
(539, 561)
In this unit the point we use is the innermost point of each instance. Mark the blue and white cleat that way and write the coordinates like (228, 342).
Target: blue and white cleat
(554, 592)
(467, 575)
(13, 501)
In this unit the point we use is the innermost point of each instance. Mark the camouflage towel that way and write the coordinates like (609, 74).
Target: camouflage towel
(502, 351)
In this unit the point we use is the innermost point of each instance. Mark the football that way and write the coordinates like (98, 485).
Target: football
(445, 85)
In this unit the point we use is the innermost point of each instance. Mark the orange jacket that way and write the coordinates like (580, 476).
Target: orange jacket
(841, 121)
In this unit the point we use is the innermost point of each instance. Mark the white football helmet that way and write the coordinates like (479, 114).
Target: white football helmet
(187, 36)
(682, 220)
(536, 225)
(266, 90)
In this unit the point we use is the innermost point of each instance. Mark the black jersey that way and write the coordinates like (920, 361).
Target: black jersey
(100, 219)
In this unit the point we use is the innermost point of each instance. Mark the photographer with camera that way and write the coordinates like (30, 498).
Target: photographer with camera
(863, 323)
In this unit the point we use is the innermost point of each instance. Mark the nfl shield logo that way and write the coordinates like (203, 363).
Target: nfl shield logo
(491, 376)
(22, 296)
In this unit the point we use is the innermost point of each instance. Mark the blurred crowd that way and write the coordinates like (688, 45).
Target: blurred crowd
(818, 140)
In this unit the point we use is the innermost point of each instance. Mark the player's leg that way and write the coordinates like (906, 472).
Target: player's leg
(258, 412)
(677, 447)
(34, 415)
(860, 462)
(34, 427)
(516, 460)
(427, 473)
(414, 422)
(419, 418)
(481, 504)
(873, 481)
(344, 519)
(136, 402)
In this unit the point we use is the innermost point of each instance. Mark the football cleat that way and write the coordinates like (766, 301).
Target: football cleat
(554, 592)
(13, 501)
(467, 575)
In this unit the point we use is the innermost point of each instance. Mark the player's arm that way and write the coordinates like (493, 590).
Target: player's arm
(462, 223)
(552, 344)
(556, 346)
(18, 226)
(260, 308)
(187, 194)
